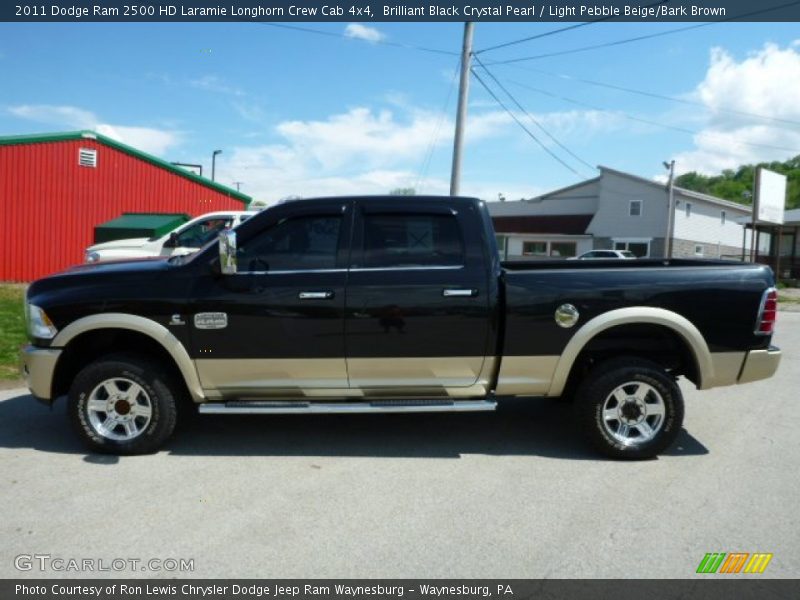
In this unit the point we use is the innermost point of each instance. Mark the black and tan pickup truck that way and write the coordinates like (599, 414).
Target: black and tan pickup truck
(390, 305)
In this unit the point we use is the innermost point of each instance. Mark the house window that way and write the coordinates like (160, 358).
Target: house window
(563, 249)
(688, 209)
(722, 217)
(635, 208)
(640, 248)
(534, 248)
(699, 250)
(87, 157)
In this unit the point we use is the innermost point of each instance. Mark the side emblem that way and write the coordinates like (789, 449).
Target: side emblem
(211, 320)
(567, 315)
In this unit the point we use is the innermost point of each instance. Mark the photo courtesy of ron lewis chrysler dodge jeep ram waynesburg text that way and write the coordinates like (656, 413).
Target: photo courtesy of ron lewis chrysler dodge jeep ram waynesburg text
(390, 305)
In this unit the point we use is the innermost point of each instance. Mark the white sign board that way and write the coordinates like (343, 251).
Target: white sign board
(770, 197)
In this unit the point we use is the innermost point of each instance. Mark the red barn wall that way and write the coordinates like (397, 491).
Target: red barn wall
(50, 205)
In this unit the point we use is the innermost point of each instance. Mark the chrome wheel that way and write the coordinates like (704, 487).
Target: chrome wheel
(119, 409)
(633, 413)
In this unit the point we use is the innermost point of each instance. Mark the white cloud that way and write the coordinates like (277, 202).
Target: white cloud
(148, 139)
(213, 83)
(364, 151)
(766, 82)
(362, 32)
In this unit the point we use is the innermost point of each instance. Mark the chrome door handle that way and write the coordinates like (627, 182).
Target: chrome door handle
(459, 293)
(315, 295)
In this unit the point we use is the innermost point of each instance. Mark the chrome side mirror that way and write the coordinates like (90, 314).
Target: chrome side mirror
(227, 251)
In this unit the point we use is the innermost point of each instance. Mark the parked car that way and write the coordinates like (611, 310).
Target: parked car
(389, 305)
(187, 238)
(604, 254)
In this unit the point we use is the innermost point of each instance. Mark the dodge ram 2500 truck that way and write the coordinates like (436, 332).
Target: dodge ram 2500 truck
(389, 305)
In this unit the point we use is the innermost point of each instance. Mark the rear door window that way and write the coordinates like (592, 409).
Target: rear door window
(412, 240)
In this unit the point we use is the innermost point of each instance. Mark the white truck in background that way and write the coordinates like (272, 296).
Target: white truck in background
(188, 238)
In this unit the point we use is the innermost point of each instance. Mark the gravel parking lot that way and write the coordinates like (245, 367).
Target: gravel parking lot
(509, 494)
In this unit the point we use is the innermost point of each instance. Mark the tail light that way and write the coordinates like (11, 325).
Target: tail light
(767, 312)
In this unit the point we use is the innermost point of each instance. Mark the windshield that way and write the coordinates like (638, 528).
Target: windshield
(627, 254)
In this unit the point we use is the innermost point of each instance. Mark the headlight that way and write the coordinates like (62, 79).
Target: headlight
(39, 324)
(91, 257)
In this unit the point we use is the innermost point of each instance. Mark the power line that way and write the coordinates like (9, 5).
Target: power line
(646, 121)
(648, 94)
(435, 138)
(530, 116)
(522, 125)
(344, 36)
(560, 30)
(640, 37)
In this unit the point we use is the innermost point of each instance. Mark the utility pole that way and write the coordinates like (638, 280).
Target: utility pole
(754, 238)
(670, 209)
(214, 162)
(461, 115)
(238, 185)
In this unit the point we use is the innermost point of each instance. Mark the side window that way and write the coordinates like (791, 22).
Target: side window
(201, 233)
(295, 244)
(412, 240)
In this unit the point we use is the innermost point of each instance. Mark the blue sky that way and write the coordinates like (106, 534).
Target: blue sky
(302, 114)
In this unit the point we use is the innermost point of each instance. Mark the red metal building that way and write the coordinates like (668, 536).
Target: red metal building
(54, 188)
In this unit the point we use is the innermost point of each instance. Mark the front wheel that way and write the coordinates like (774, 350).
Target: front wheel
(630, 408)
(123, 405)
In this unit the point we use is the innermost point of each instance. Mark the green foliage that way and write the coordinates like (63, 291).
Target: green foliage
(738, 185)
(12, 329)
(403, 191)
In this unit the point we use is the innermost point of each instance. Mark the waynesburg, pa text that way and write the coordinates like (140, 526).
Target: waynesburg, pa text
(437, 590)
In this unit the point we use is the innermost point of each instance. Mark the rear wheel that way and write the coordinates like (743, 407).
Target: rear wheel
(123, 405)
(630, 408)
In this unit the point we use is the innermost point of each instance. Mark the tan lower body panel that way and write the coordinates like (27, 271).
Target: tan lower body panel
(260, 373)
(455, 377)
(526, 375)
(727, 366)
(760, 364)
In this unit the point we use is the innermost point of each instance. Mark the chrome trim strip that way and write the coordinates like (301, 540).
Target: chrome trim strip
(288, 408)
(429, 268)
(291, 272)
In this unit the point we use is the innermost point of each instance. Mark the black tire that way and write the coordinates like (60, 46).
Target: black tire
(599, 385)
(158, 392)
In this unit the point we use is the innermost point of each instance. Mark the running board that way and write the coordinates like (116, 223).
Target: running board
(385, 406)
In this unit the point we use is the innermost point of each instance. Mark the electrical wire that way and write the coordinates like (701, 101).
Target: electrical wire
(531, 117)
(640, 37)
(560, 30)
(426, 162)
(648, 94)
(522, 125)
(344, 36)
(646, 121)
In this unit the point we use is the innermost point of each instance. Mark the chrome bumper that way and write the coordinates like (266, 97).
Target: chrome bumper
(38, 366)
(760, 364)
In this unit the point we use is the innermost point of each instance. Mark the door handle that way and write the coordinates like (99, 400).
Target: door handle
(315, 295)
(460, 293)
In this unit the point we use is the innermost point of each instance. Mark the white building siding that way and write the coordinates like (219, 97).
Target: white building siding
(704, 225)
(613, 219)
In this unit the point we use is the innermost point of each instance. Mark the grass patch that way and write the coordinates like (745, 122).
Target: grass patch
(786, 299)
(12, 329)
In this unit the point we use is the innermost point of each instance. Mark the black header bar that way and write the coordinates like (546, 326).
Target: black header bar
(399, 10)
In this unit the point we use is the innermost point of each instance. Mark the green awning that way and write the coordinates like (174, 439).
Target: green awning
(138, 225)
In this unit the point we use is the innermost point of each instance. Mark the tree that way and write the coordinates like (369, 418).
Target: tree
(403, 191)
(734, 184)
